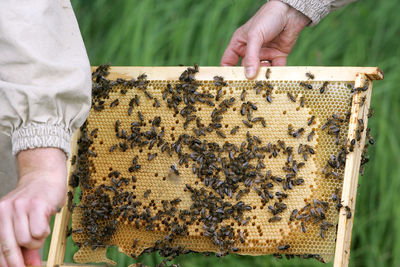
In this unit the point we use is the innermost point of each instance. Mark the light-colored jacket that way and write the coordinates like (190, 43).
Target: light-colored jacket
(316, 10)
(45, 81)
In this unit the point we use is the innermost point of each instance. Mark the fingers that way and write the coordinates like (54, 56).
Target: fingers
(274, 56)
(22, 233)
(265, 63)
(31, 257)
(233, 52)
(252, 58)
(279, 61)
(11, 251)
(230, 58)
(38, 221)
(3, 262)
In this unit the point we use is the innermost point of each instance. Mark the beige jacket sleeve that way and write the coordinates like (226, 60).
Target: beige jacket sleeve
(316, 10)
(45, 80)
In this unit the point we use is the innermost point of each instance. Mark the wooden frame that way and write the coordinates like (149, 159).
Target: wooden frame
(350, 181)
(360, 75)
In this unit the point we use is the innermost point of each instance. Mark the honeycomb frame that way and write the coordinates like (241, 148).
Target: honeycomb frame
(295, 74)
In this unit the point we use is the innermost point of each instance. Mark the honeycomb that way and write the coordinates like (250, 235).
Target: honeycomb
(251, 183)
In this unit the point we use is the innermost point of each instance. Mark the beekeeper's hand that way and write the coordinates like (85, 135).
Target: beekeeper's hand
(266, 39)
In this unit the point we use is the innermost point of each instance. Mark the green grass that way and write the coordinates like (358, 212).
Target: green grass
(365, 33)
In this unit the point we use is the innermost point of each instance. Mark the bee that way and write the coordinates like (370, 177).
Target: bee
(114, 103)
(174, 169)
(151, 156)
(291, 97)
(267, 73)
(235, 129)
(275, 219)
(310, 136)
(298, 133)
(362, 101)
(156, 103)
(302, 101)
(248, 124)
(73, 160)
(335, 174)
(175, 201)
(335, 196)
(322, 233)
(303, 227)
(310, 75)
(77, 231)
(241, 237)
(116, 125)
(370, 112)
(323, 87)
(290, 129)
(71, 204)
(311, 120)
(283, 247)
(156, 121)
(245, 221)
(149, 96)
(141, 118)
(348, 212)
(252, 105)
(243, 95)
(319, 258)
(299, 181)
(243, 109)
(310, 149)
(146, 193)
(337, 117)
(371, 140)
(306, 85)
(218, 96)
(219, 81)
(300, 149)
(92, 153)
(94, 132)
(98, 107)
(220, 133)
(352, 143)
(131, 102)
(112, 148)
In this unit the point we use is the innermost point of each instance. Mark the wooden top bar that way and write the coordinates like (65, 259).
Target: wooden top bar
(237, 73)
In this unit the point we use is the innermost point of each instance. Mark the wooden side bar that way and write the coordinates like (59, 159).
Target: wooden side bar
(350, 182)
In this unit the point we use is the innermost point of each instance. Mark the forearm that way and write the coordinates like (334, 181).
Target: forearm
(33, 162)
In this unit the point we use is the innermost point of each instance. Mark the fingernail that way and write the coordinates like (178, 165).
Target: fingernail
(250, 72)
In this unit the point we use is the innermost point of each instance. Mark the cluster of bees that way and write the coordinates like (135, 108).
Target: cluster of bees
(241, 165)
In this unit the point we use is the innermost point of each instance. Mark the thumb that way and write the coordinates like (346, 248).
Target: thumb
(31, 257)
(252, 57)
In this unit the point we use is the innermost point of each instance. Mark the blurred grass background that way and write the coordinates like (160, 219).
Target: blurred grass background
(365, 33)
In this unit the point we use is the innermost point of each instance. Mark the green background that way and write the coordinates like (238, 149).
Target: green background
(365, 33)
